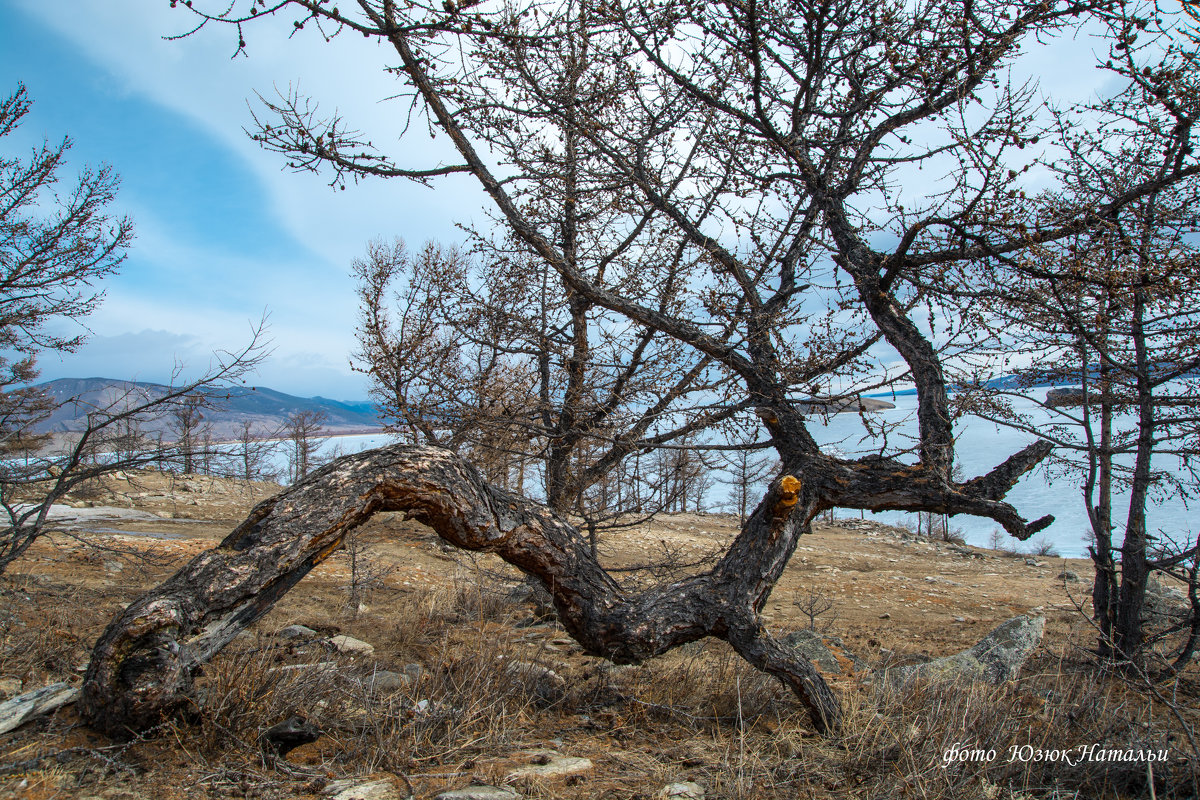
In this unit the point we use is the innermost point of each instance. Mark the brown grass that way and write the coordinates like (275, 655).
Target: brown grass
(698, 713)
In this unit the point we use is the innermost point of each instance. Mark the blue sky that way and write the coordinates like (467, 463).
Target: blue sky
(223, 234)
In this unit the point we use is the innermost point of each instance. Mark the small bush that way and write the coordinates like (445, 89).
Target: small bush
(1042, 546)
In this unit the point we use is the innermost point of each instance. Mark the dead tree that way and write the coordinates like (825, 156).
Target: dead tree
(773, 152)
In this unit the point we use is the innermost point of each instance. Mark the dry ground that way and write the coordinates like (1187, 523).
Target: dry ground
(696, 714)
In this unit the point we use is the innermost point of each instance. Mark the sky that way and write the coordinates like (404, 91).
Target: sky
(224, 233)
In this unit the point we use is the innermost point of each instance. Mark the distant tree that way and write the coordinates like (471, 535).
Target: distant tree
(55, 246)
(302, 429)
(745, 472)
(252, 453)
(187, 426)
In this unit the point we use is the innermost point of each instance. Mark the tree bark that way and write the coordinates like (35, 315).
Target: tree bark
(142, 666)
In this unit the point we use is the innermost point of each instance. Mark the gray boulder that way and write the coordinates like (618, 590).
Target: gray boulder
(383, 681)
(550, 767)
(687, 790)
(348, 645)
(362, 789)
(543, 683)
(1164, 605)
(996, 658)
(821, 650)
(479, 793)
(297, 632)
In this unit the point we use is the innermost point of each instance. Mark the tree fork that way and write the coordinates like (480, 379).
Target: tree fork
(142, 666)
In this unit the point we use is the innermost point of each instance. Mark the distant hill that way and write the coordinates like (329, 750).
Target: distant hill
(266, 408)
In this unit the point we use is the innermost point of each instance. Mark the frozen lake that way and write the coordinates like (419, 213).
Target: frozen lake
(981, 446)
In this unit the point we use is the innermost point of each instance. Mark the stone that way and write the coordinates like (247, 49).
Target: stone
(811, 645)
(546, 685)
(688, 790)
(1164, 605)
(297, 632)
(21, 709)
(555, 767)
(350, 646)
(362, 789)
(994, 659)
(289, 734)
(384, 681)
(532, 591)
(480, 792)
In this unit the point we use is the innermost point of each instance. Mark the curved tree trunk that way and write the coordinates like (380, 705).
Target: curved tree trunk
(142, 666)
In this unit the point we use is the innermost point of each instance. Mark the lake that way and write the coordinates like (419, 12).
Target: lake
(981, 446)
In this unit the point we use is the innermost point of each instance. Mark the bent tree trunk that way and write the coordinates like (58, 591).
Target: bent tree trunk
(142, 666)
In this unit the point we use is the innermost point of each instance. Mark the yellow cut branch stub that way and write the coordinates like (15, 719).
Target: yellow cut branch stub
(789, 492)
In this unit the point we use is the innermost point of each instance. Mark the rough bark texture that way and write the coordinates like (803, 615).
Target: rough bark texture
(142, 666)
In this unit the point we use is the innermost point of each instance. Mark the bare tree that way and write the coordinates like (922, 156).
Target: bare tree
(188, 429)
(303, 429)
(49, 259)
(746, 475)
(499, 361)
(1115, 313)
(771, 140)
(252, 453)
(54, 248)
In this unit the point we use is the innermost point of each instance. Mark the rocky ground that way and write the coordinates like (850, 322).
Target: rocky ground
(401, 668)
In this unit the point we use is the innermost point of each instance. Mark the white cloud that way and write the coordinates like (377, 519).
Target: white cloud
(196, 77)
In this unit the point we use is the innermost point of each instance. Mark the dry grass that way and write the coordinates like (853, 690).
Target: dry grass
(699, 713)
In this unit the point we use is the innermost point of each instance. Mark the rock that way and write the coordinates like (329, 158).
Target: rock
(479, 793)
(996, 658)
(816, 648)
(1164, 605)
(297, 632)
(350, 646)
(288, 735)
(543, 683)
(553, 767)
(362, 789)
(115, 794)
(532, 591)
(683, 791)
(21, 709)
(384, 681)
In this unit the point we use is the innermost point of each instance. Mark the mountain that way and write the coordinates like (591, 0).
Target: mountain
(266, 408)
